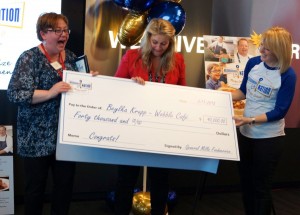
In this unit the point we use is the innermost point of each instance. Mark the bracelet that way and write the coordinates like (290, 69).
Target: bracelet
(252, 121)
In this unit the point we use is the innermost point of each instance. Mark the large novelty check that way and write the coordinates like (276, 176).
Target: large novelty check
(116, 113)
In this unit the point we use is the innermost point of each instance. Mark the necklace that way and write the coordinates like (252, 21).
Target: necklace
(156, 69)
(58, 66)
(157, 78)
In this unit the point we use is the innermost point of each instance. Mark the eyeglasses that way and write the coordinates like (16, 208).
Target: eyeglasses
(60, 31)
(263, 48)
(216, 71)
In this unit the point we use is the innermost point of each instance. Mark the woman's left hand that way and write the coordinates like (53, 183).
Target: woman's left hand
(94, 73)
(139, 80)
(241, 120)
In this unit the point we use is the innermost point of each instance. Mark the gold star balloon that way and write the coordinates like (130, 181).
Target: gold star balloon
(256, 39)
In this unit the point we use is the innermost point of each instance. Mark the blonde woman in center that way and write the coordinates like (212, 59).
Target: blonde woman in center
(155, 61)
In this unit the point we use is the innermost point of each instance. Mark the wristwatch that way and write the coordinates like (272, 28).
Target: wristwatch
(252, 121)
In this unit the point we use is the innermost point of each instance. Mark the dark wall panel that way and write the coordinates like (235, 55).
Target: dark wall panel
(75, 11)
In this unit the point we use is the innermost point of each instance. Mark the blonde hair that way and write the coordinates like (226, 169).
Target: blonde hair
(279, 41)
(159, 27)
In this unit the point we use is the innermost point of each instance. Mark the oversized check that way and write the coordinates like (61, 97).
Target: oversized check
(116, 113)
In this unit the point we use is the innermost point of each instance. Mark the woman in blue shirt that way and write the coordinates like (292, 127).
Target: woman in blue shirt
(268, 87)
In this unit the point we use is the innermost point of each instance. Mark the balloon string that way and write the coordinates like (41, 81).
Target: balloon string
(145, 179)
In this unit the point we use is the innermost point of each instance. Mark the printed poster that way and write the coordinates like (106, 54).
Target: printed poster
(225, 60)
(6, 170)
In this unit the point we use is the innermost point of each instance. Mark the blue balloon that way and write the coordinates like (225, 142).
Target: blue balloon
(120, 3)
(171, 11)
(136, 190)
(135, 5)
(172, 200)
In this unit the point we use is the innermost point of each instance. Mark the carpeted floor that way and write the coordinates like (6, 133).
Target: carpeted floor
(286, 202)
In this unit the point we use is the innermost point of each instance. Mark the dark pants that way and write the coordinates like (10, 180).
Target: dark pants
(258, 161)
(159, 188)
(36, 174)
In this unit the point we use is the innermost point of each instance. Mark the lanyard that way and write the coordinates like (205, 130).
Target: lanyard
(237, 54)
(55, 64)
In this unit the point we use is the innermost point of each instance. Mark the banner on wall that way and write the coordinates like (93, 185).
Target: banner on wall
(230, 54)
(18, 20)
(225, 60)
(6, 170)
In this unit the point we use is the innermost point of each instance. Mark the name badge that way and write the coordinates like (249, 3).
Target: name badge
(56, 65)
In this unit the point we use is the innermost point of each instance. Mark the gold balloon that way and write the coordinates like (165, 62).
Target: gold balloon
(132, 28)
(100, 21)
(141, 204)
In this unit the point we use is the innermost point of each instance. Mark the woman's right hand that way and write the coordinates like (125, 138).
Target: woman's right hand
(139, 80)
(58, 88)
(55, 90)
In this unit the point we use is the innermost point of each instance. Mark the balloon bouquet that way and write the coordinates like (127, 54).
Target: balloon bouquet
(140, 14)
(130, 33)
